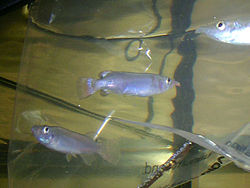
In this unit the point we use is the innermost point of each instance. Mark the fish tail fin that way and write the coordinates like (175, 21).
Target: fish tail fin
(85, 87)
(110, 152)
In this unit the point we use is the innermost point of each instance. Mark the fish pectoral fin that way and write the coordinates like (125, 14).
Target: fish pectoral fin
(104, 74)
(88, 158)
(104, 92)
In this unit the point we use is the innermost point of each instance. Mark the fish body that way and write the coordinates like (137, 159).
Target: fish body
(69, 142)
(125, 83)
(232, 31)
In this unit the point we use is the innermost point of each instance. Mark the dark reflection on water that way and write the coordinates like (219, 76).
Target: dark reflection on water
(181, 12)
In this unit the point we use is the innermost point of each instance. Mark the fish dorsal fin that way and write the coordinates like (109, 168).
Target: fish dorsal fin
(100, 140)
(88, 158)
(104, 74)
(90, 135)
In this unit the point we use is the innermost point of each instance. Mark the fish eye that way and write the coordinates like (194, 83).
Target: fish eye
(46, 130)
(221, 25)
(168, 81)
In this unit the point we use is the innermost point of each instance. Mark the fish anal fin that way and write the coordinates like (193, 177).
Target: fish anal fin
(88, 158)
(69, 156)
(110, 151)
(104, 92)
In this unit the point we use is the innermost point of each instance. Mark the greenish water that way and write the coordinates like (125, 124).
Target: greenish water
(211, 100)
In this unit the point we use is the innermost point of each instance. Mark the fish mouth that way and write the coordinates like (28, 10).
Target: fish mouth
(34, 130)
(201, 29)
(178, 84)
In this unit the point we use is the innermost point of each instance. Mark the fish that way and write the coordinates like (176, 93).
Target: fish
(73, 144)
(125, 83)
(231, 30)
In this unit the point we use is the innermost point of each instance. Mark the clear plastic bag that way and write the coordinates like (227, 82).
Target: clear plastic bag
(64, 43)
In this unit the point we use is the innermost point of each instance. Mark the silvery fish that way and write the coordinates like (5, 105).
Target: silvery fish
(72, 144)
(233, 31)
(125, 83)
